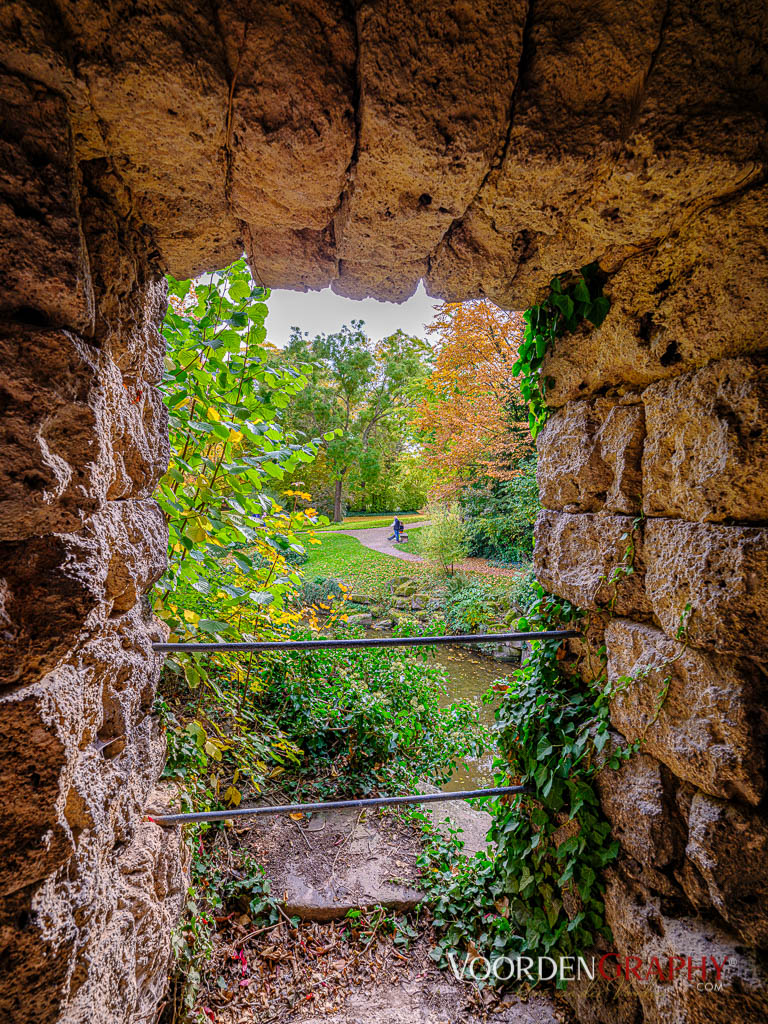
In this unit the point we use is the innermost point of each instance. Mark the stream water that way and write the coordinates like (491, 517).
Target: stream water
(469, 676)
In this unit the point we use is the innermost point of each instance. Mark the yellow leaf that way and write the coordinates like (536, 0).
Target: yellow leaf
(297, 817)
(191, 616)
(213, 414)
(235, 436)
(212, 751)
(233, 796)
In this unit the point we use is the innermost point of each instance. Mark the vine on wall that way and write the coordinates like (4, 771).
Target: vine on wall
(541, 892)
(572, 298)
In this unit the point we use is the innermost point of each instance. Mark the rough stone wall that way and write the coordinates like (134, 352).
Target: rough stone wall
(671, 450)
(88, 892)
(483, 147)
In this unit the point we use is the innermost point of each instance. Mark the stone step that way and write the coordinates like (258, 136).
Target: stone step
(325, 865)
(337, 861)
(431, 997)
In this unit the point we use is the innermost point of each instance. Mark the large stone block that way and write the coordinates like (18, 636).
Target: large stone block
(75, 433)
(706, 452)
(728, 845)
(719, 573)
(585, 177)
(81, 750)
(293, 119)
(432, 115)
(594, 561)
(637, 803)
(698, 714)
(55, 460)
(59, 588)
(589, 457)
(641, 930)
(155, 82)
(699, 296)
(112, 909)
(43, 258)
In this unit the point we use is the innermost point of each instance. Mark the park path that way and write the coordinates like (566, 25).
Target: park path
(377, 539)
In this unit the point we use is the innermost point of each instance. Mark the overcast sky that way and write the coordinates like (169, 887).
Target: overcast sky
(324, 312)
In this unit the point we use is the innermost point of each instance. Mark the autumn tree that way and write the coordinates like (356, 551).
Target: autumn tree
(363, 389)
(472, 413)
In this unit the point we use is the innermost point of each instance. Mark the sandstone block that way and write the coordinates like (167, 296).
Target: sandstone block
(589, 457)
(81, 750)
(584, 558)
(706, 453)
(43, 259)
(697, 713)
(58, 586)
(635, 801)
(75, 433)
(172, 88)
(425, 147)
(294, 119)
(728, 845)
(132, 941)
(663, 319)
(574, 186)
(82, 756)
(641, 929)
(720, 572)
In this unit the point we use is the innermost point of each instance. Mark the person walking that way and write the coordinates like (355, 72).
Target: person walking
(397, 527)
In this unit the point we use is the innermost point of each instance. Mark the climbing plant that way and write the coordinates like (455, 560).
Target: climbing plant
(541, 891)
(232, 533)
(572, 298)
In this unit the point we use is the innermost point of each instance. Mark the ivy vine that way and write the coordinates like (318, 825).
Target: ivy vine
(541, 892)
(572, 297)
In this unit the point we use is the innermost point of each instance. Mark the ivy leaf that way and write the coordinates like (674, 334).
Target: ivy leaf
(599, 310)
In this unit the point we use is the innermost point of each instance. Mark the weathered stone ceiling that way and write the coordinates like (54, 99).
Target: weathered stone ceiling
(481, 144)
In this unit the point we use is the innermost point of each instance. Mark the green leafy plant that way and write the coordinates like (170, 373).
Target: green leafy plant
(500, 515)
(443, 540)
(540, 892)
(370, 719)
(572, 298)
(233, 544)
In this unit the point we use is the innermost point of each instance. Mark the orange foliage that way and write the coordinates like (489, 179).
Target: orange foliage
(474, 416)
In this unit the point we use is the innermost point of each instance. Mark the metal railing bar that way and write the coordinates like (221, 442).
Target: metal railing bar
(333, 805)
(406, 641)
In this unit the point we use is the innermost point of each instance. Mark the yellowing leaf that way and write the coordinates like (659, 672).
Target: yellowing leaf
(191, 616)
(233, 796)
(213, 414)
(235, 436)
(297, 816)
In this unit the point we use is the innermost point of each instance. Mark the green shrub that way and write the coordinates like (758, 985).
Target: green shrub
(443, 541)
(378, 710)
(524, 590)
(319, 590)
(500, 515)
(470, 605)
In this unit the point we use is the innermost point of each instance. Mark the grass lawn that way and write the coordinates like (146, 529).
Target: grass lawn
(413, 545)
(369, 522)
(359, 567)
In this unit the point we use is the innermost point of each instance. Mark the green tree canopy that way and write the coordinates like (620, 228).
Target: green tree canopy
(364, 390)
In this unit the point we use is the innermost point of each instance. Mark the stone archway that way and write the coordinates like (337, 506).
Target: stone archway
(484, 147)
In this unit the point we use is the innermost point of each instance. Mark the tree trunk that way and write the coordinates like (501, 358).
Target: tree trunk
(337, 516)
